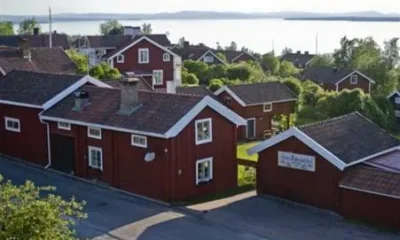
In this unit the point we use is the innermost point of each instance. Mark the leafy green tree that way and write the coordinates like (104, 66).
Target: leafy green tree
(232, 47)
(294, 85)
(344, 55)
(111, 27)
(80, 60)
(217, 71)
(146, 28)
(391, 53)
(222, 56)
(215, 84)
(36, 213)
(286, 51)
(103, 71)
(270, 63)
(323, 60)
(287, 69)
(239, 71)
(198, 68)
(190, 79)
(311, 93)
(26, 26)
(6, 28)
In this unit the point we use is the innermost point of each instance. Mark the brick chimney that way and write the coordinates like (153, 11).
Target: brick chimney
(36, 31)
(298, 52)
(132, 31)
(186, 44)
(81, 100)
(306, 52)
(23, 46)
(129, 96)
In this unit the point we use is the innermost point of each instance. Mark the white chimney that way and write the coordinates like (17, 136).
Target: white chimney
(132, 31)
(171, 88)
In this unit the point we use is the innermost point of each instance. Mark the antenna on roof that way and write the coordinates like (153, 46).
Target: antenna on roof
(273, 45)
(316, 44)
(51, 31)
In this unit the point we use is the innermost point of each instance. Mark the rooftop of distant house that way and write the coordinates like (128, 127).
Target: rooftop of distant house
(37, 40)
(331, 75)
(298, 58)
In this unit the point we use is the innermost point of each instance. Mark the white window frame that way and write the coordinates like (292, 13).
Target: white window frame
(8, 119)
(94, 136)
(354, 79)
(203, 141)
(397, 113)
(66, 126)
(90, 148)
(162, 77)
(145, 50)
(210, 59)
(120, 58)
(133, 143)
(166, 57)
(210, 177)
(397, 100)
(267, 109)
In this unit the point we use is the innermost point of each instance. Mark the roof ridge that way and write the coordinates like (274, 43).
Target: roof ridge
(48, 73)
(327, 120)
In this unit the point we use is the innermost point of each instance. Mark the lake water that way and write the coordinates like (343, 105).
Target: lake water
(260, 35)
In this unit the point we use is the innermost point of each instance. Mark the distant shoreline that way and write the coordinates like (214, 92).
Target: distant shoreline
(349, 19)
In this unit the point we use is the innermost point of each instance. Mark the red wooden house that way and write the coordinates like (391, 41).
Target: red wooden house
(258, 103)
(164, 146)
(23, 96)
(345, 164)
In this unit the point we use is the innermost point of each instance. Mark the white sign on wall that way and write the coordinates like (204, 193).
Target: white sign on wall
(296, 161)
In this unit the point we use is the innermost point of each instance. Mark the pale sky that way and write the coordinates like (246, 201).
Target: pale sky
(38, 7)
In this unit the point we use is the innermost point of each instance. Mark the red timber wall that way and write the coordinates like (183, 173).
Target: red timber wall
(243, 58)
(124, 166)
(374, 209)
(363, 84)
(155, 61)
(31, 143)
(319, 188)
(263, 119)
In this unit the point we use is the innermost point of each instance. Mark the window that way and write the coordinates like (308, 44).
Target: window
(208, 59)
(166, 57)
(12, 124)
(158, 77)
(397, 113)
(96, 158)
(204, 170)
(143, 55)
(120, 58)
(397, 100)
(139, 141)
(203, 131)
(64, 125)
(94, 132)
(228, 100)
(354, 79)
(267, 107)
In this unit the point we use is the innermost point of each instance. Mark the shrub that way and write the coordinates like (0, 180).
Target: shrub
(311, 93)
(239, 71)
(190, 79)
(215, 84)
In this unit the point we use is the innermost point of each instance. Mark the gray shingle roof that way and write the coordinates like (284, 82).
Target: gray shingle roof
(350, 137)
(158, 113)
(33, 87)
(200, 90)
(297, 58)
(108, 41)
(326, 74)
(259, 93)
(41, 40)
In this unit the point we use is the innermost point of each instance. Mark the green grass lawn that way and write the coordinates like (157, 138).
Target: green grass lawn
(242, 151)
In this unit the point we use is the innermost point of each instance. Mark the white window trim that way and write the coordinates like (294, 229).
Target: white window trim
(199, 142)
(94, 136)
(90, 148)
(210, 159)
(137, 144)
(397, 100)
(247, 126)
(166, 57)
(211, 57)
(122, 60)
(6, 119)
(162, 77)
(354, 76)
(397, 113)
(267, 110)
(67, 127)
(148, 55)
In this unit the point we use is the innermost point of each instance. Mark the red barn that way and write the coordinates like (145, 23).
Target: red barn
(258, 103)
(345, 164)
(164, 146)
(23, 96)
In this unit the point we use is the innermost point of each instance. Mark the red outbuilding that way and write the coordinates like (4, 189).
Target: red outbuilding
(346, 164)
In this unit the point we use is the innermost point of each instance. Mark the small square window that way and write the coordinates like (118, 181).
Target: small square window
(397, 113)
(143, 55)
(203, 131)
(96, 158)
(120, 58)
(397, 100)
(267, 107)
(354, 79)
(12, 124)
(204, 170)
(208, 59)
(166, 57)
(94, 132)
(64, 126)
(139, 141)
(228, 100)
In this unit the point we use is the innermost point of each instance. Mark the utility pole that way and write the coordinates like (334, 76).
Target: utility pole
(273, 46)
(316, 44)
(51, 31)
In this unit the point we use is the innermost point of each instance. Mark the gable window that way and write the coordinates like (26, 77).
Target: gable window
(166, 57)
(203, 131)
(64, 126)
(94, 132)
(204, 170)
(208, 59)
(397, 100)
(139, 141)
(397, 113)
(228, 100)
(267, 107)
(158, 76)
(120, 58)
(354, 79)
(143, 55)
(12, 124)
(95, 158)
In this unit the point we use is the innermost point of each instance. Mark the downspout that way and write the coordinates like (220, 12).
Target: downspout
(48, 142)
